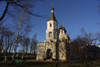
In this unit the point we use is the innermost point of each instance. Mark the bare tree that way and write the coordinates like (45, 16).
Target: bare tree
(2, 33)
(78, 48)
(8, 42)
(5, 40)
(22, 28)
(18, 26)
(26, 43)
(12, 6)
(33, 45)
(82, 46)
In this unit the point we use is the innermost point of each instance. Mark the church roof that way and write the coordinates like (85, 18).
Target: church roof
(52, 17)
(62, 28)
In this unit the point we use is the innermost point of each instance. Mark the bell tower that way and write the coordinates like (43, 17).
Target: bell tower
(52, 27)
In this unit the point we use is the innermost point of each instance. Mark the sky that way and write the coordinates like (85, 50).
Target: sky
(74, 15)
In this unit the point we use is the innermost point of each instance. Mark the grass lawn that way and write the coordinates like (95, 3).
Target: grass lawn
(94, 63)
(27, 64)
(30, 64)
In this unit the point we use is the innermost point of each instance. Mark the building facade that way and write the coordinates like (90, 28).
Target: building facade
(53, 46)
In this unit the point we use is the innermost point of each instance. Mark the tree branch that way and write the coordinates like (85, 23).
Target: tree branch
(27, 11)
(5, 11)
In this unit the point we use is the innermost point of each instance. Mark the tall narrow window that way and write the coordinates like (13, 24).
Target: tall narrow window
(54, 34)
(50, 25)
(54, 24)
(50, 34)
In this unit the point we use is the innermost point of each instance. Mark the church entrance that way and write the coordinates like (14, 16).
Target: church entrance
(49, 54)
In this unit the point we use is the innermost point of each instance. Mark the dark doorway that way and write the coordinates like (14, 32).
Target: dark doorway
(49, 54)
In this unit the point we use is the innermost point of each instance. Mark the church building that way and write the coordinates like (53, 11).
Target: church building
(53, 46)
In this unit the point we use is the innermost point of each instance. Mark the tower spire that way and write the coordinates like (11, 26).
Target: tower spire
(52, 5)
(52, 9)
(52, 16)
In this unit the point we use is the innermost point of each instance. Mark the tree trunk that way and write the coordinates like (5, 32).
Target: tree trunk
(5, 58)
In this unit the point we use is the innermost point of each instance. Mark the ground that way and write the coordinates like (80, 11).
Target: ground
(30, 63)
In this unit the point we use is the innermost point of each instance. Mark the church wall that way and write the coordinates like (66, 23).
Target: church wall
(62, 51)
(52, 46)
(40, 51)
(54, 25)
(52, 29)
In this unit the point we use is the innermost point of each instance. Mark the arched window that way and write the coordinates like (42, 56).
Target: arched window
(54, 24)
(50, 25)
(50, 34)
